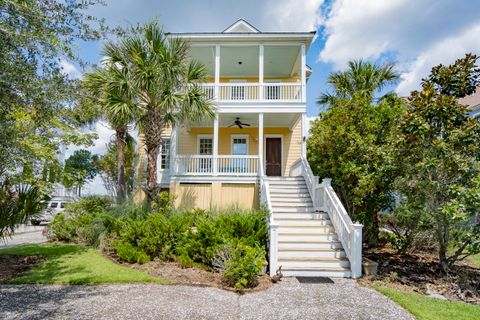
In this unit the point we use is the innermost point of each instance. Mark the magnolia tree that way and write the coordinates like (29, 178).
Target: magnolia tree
(438, 153)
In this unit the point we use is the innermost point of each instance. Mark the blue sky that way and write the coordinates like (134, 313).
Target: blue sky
(415, 34)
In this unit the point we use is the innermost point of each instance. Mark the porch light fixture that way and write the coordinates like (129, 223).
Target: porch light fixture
(240, 62)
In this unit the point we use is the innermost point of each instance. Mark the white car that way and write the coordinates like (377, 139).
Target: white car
(53, 207)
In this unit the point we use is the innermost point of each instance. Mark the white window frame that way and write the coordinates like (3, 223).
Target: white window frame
(204, 136)
(167, 163)
(239, 136)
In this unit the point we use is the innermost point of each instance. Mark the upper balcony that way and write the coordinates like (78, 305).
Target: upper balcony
(246, 72)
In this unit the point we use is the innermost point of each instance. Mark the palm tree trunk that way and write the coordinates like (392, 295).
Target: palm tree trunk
(153, 138)
(152, 156)
(121, 141)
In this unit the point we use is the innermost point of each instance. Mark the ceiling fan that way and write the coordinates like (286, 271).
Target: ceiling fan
(239, 123)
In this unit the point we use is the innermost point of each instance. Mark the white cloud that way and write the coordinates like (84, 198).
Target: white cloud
(70, 69)
(416, 34)
(446, 51)
(292, 16)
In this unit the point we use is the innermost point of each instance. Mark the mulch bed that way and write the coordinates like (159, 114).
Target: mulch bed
(420, 272)
(193, 276)
(12, 266)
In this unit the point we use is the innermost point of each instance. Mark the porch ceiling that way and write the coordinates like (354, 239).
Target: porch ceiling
(270, 120)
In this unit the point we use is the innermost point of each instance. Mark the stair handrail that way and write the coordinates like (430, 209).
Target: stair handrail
(324, 198)
(272, 226)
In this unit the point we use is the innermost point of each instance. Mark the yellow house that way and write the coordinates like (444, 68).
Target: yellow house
(253, 152)
(257, 82)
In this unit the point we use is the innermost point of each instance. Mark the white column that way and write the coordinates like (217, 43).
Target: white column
(304, 73)
(260, 71)
(260, 144)
(217, 71)
(173, 150)
(304, 135)
(215, 144)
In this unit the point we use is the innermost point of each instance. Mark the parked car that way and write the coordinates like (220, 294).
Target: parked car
(52, 208)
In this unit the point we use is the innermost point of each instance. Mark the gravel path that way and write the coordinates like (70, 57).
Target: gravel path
(290, 299)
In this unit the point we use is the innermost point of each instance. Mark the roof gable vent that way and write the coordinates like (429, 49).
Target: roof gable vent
(241, 26)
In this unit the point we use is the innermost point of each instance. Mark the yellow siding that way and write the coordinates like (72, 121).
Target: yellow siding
(215, 196)
(292, 147)
(254, 79)
(192, 195)
(239, 195)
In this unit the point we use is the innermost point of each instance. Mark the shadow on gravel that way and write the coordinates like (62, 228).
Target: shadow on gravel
(38, 301)
(315, 280)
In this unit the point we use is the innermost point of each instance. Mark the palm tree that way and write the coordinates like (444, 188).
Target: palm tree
(164, 83)
(360, 79)
(110, 96)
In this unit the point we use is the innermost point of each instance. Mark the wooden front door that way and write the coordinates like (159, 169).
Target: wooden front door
(273, 156)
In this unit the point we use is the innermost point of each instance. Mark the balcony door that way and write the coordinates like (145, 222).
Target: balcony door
(273, 156)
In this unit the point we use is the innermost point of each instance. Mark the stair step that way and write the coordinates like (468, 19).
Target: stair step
(302, 237)
(276, 204)
(330, 272)
(306, 229)
(308, 263)
(284, 215)
(304, 223)
(292, 195)
(282, 198)
(288, 184)
(282, 191)
(311, 254)
(286, 209)
(284, 178)
(314, 245)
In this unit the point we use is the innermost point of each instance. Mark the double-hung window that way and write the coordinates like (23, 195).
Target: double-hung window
(205, 147)
(165, 154)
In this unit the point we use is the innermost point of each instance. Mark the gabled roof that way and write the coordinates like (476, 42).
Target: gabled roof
(241, 26)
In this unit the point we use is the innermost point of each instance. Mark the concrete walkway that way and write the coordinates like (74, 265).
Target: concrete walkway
(290, 299)
(24, 234)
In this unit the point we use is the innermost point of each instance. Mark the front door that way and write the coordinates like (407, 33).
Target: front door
(273, 156)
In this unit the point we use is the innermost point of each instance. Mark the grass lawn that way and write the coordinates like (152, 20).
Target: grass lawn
(475, 260)
(425, 308)
(73, 264)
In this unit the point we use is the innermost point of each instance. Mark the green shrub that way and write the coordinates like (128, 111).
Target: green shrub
(242, 265)
(127, 252)
(214, 230)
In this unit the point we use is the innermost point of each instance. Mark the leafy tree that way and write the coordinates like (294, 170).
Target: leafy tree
(163, 82)
(361, 79)
(107, 166)
(352, 144)
(108, 95)
(80, 168)
(438, 155)
(36, 38)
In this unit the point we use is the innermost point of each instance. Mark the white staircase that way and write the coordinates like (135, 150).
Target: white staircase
(307, 244)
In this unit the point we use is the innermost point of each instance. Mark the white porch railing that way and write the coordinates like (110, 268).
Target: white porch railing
(222, 165)
(237, 165)
(194, 165)
(272, 226)
(251, 91)
(325, 199)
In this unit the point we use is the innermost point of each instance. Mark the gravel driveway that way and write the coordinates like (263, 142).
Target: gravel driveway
(290, 299)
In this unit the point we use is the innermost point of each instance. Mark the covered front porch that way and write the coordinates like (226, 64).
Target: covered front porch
(243, 145)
